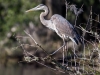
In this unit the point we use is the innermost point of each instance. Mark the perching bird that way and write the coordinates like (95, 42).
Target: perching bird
(58, 24)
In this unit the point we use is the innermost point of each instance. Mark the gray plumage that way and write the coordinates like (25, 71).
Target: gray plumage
(58, 24)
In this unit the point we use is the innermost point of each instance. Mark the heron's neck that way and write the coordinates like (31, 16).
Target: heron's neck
(42, 15)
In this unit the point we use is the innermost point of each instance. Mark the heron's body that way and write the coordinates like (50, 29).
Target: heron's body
(62, 27)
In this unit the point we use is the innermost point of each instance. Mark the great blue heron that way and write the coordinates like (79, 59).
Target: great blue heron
(58, 24)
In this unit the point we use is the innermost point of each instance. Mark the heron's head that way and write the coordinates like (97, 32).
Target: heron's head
(39, 7)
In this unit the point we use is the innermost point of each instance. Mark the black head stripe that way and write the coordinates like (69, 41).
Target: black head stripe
(40, 5)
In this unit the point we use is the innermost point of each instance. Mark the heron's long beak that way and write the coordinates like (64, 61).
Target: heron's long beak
(33, 9)
(30, 10)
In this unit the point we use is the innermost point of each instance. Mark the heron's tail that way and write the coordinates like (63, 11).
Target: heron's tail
(75, 40)
(78, 40)
(77, 37)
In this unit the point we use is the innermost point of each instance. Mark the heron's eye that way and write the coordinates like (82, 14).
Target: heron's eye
(40, 5)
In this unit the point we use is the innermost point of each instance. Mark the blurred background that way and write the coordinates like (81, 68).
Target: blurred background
(14, 20)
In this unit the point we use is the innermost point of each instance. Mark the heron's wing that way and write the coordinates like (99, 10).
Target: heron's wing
(63, 27)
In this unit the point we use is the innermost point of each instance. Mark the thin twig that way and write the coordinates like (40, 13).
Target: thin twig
(36, 42)
(78, 12)
(22, 46)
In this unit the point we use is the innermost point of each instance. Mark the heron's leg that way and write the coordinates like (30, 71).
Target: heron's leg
(59, 48)
(63, 54)
(74, 56)
(64, 51)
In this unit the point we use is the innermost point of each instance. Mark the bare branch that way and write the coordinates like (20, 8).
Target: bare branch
(35, 42)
